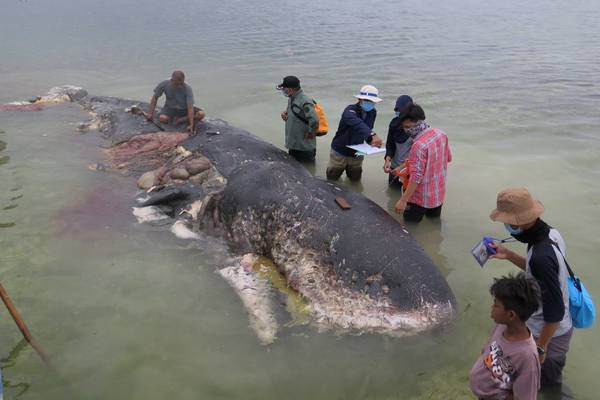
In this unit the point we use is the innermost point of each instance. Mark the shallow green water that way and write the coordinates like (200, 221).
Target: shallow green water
(129, 312)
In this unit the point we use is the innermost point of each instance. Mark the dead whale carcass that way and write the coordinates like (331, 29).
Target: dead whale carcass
(358, 270)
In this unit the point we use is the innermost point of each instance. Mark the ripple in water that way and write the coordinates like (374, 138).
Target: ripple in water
(4, 220)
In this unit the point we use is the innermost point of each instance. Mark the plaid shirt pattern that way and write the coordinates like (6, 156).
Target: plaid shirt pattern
(428, 163)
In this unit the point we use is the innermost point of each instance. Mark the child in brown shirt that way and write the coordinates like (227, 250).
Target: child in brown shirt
(509, 366)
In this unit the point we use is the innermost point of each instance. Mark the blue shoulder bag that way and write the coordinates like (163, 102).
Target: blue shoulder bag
(581, 305)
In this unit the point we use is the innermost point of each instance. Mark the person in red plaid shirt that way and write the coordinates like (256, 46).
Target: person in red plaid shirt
(427, 165)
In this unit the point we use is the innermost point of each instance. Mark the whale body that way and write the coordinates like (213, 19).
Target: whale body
(358, 270)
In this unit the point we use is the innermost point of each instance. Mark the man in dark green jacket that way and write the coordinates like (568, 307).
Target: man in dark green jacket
(301, 121)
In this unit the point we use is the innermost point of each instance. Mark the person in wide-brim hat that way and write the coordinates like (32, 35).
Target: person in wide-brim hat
(355, 128)
(545, 261)
(516, 206)
(370, 93)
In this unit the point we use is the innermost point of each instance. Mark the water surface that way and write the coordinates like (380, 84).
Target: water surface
(129, 312)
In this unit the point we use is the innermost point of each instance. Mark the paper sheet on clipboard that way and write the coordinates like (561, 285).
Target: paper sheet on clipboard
(366, 149)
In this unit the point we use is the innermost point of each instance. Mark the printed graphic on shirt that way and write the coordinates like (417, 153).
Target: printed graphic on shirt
(500, 366)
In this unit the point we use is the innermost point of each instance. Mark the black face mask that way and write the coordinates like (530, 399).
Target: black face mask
(521, 237)
(536, 233)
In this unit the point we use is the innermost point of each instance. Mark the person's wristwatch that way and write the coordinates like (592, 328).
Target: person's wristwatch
(541, 351)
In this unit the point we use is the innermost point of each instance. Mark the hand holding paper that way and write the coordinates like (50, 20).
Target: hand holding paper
(366, 149)
(376, 141)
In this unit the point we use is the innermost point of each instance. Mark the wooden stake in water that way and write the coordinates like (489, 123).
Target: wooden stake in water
(22, 327)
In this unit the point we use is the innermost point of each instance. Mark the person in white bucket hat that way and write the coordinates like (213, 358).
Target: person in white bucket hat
(356, 127)
(370, 93)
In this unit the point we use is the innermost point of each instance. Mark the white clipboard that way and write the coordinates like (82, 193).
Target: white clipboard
(366, 149)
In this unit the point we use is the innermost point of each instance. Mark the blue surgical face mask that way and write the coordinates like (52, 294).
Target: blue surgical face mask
(513, 231)
(284, 93)
(367, 105)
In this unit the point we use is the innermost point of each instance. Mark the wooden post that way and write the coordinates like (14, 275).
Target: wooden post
(22, 327)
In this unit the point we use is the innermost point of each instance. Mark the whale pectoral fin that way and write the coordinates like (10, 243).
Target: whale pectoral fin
(164, 196)
(255, 294)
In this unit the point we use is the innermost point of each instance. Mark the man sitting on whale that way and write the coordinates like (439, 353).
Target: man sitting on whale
(179, 103)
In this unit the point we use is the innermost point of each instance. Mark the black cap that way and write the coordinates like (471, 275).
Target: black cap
(402, 104)
(291, 82)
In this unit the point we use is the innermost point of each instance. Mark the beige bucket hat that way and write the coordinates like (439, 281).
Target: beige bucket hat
(516, 206)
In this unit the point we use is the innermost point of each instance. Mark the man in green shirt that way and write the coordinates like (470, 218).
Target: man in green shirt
(179, 103)
(301, 121)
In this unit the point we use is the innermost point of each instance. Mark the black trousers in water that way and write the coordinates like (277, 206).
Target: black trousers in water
(556, 358)
(302, 155)
(415, 213)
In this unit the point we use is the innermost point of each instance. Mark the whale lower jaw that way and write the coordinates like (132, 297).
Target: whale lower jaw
(255, 294)
(336, 307)
(330, 306)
